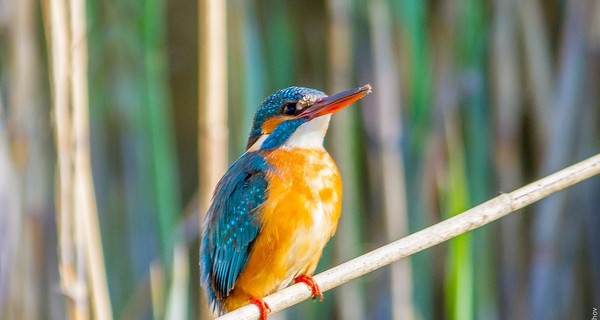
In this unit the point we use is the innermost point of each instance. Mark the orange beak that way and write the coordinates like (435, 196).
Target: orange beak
(335, 102)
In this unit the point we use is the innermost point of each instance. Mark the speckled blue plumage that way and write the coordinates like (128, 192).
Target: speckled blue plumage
(231, 225)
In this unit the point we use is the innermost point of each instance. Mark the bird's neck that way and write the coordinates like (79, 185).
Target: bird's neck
(308, 135)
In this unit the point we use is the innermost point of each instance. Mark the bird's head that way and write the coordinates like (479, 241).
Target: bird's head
(297, 116)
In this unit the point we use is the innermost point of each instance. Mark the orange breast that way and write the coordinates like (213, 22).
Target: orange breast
(299, 216)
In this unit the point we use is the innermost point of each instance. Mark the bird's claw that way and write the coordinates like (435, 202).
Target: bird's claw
(263, 306)
(312, 284)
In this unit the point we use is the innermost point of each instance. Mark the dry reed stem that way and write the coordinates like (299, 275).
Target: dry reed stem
(212, 122)
(58, 39)
(81, 256)
(85, 209)
(177, 306)
(212, 104)
(471, 219)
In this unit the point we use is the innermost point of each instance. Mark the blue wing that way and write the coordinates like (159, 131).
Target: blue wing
(231, 225)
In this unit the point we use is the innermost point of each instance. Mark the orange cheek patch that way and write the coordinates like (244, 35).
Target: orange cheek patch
(270, 124)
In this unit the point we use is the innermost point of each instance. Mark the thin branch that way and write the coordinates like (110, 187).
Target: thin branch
(438, 233)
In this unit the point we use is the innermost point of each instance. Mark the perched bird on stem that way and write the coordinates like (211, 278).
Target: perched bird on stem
(276, 207)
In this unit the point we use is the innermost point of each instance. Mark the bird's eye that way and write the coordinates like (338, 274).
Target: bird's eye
(289, 109)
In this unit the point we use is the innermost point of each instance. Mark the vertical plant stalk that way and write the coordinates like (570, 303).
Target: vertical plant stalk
(81, 255)
(539, 67)
(253, 63)
(389, 136)
(25, 197)
(508, 117)
(177, 306)
(212, 108)
(72, 285)
(157, 103)
(351, 302)
(12, 299)
(8, 221)
(157, 289)
(459, 275)
(84, 200)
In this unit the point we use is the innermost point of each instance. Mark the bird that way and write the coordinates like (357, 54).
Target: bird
(278, 204)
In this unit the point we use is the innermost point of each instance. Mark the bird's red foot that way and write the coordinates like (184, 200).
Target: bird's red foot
(312, 284)
(263, 306)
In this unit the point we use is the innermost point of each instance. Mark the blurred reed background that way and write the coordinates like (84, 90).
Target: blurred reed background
(470, 98)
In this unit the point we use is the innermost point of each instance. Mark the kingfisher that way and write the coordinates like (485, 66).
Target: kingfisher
(278, 204)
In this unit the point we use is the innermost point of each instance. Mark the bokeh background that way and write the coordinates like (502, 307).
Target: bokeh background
(470, 98)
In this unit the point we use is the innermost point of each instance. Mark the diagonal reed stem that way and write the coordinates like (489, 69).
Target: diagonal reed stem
(469, 220)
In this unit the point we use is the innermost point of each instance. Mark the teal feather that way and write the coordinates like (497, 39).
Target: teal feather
(231, 226)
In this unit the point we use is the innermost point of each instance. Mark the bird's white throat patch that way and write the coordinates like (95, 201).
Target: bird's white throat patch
(309, 135)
